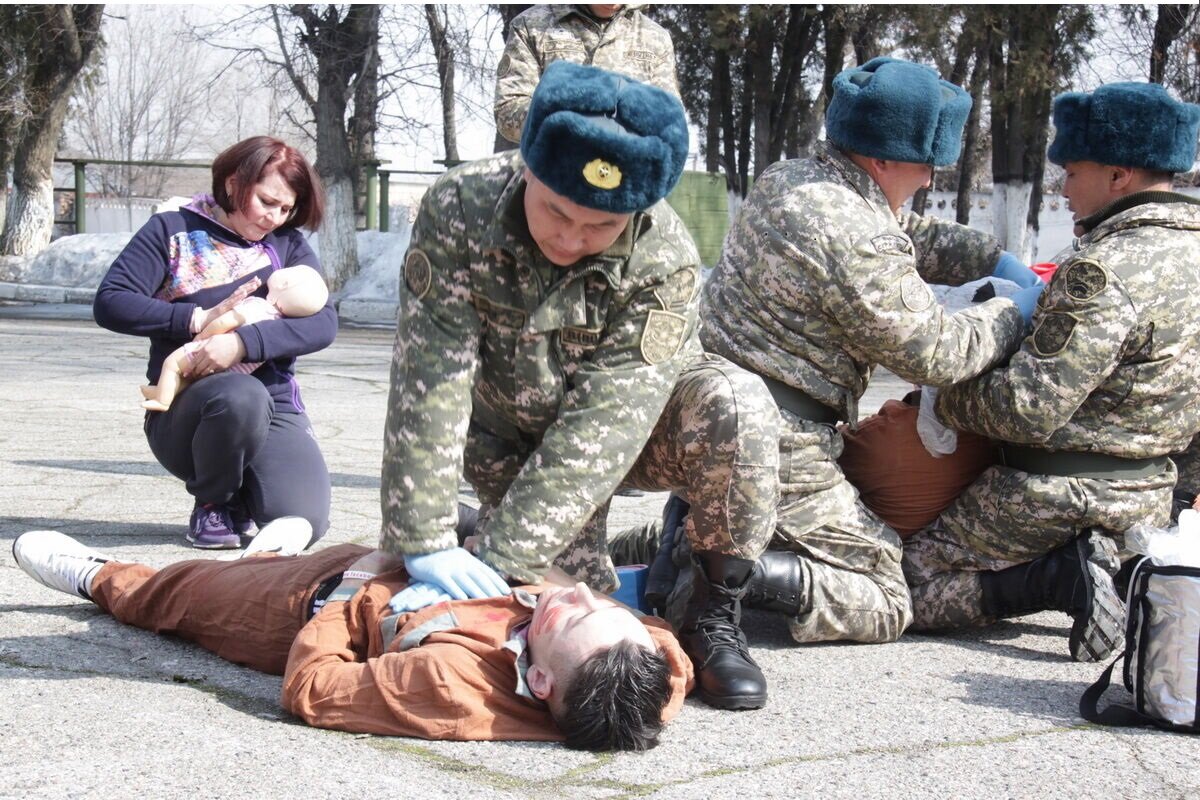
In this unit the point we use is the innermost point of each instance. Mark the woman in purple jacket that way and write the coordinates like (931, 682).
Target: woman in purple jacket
(242, 443)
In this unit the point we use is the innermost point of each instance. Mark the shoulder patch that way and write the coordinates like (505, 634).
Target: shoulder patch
(892, 243)
(1053, 333)
(662, 336)
(677, 292)
(1085, 280)
(417, 273)
(915, 293)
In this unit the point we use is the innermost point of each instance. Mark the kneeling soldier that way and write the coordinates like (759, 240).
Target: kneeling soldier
(1098, 395)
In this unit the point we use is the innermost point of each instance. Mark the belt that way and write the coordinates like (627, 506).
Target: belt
(1097, 466)
(789, 398)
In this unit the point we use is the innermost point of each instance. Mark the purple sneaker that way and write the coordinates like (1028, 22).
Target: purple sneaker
(212, 529)
(243, 523)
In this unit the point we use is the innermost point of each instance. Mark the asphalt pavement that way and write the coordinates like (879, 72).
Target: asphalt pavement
(91, 708)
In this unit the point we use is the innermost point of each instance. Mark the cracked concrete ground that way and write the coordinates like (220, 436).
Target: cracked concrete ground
(90, 708)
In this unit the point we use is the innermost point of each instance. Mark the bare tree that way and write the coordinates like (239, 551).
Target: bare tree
(443, 51)
(59, 41)
(324, 52)
(137, 104)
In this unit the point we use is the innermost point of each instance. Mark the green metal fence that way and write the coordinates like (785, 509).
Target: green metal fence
(700, 198)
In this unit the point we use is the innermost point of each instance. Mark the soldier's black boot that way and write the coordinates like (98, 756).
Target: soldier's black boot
(711, 634)
(1076, 578)
(776, 583)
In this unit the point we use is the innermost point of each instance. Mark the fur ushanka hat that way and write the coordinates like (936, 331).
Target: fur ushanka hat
(1125, 125)
(603, 140)
(899, 111)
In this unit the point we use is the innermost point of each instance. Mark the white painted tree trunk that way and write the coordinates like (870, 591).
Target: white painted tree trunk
(338, 243)
(735, 204)
(1010, 210)
(30, 218)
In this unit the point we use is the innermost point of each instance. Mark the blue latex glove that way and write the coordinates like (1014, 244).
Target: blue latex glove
(1026, 300)
(1011, 268)
(456, 572)
(417, 596)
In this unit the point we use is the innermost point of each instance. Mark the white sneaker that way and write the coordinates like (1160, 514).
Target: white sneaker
(56, 560)
(287, 536)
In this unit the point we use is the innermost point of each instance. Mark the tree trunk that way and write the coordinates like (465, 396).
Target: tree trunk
(966, 170)
(835, 44)
(444, 53)
(760, 55)
(1168, 25)
(343, 48)
(712, 123)
(747, 118)
(68, 37)
(339, 253)
(338, 240)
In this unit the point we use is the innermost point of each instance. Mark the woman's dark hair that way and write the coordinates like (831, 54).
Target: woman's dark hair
(248, 161)
(615, 700)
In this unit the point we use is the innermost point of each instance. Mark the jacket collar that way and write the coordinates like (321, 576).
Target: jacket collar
(1090, 223)
(853, 174)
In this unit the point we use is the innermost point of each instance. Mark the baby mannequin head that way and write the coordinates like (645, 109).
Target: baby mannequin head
(298, 291)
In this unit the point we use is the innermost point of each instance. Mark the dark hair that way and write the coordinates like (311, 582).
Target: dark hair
(615, 700)
(248, 161)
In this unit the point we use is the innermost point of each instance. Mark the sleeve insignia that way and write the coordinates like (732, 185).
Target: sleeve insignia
(915, 293)
(892, 244)
(1085, 280)
(662, 336)
(417, 273)
(1053, 333)
(677, 291)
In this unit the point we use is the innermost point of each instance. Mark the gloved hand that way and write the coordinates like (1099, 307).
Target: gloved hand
(1026, 300)
(1011, 268)
(457, 572)
(417, 596)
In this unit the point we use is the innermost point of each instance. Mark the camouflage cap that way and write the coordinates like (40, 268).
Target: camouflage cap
(1126, 125)
(603, 140)
(897, 110)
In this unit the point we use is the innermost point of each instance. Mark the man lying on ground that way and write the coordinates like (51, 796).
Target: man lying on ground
(544, 663)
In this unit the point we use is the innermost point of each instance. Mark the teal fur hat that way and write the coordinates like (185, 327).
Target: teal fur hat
(1125, 125)
(602, 140)
(899, 111)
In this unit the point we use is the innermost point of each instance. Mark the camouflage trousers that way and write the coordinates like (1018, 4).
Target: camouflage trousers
(1188, 464)
(715, 444)
(1008, 517)
(853, 585)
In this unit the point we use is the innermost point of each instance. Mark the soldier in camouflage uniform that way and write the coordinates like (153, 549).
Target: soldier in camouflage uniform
(1098, 395)
(539, 358)
(821, 279)
(615, 37)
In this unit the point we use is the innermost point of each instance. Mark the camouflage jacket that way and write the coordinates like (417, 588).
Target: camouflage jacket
(566, 369)
(819, 281)
(630, 43)
(1113, 362)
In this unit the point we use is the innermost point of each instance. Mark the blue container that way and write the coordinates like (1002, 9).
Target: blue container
(632, 588)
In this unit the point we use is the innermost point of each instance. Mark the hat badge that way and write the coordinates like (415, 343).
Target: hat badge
(601, 174)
